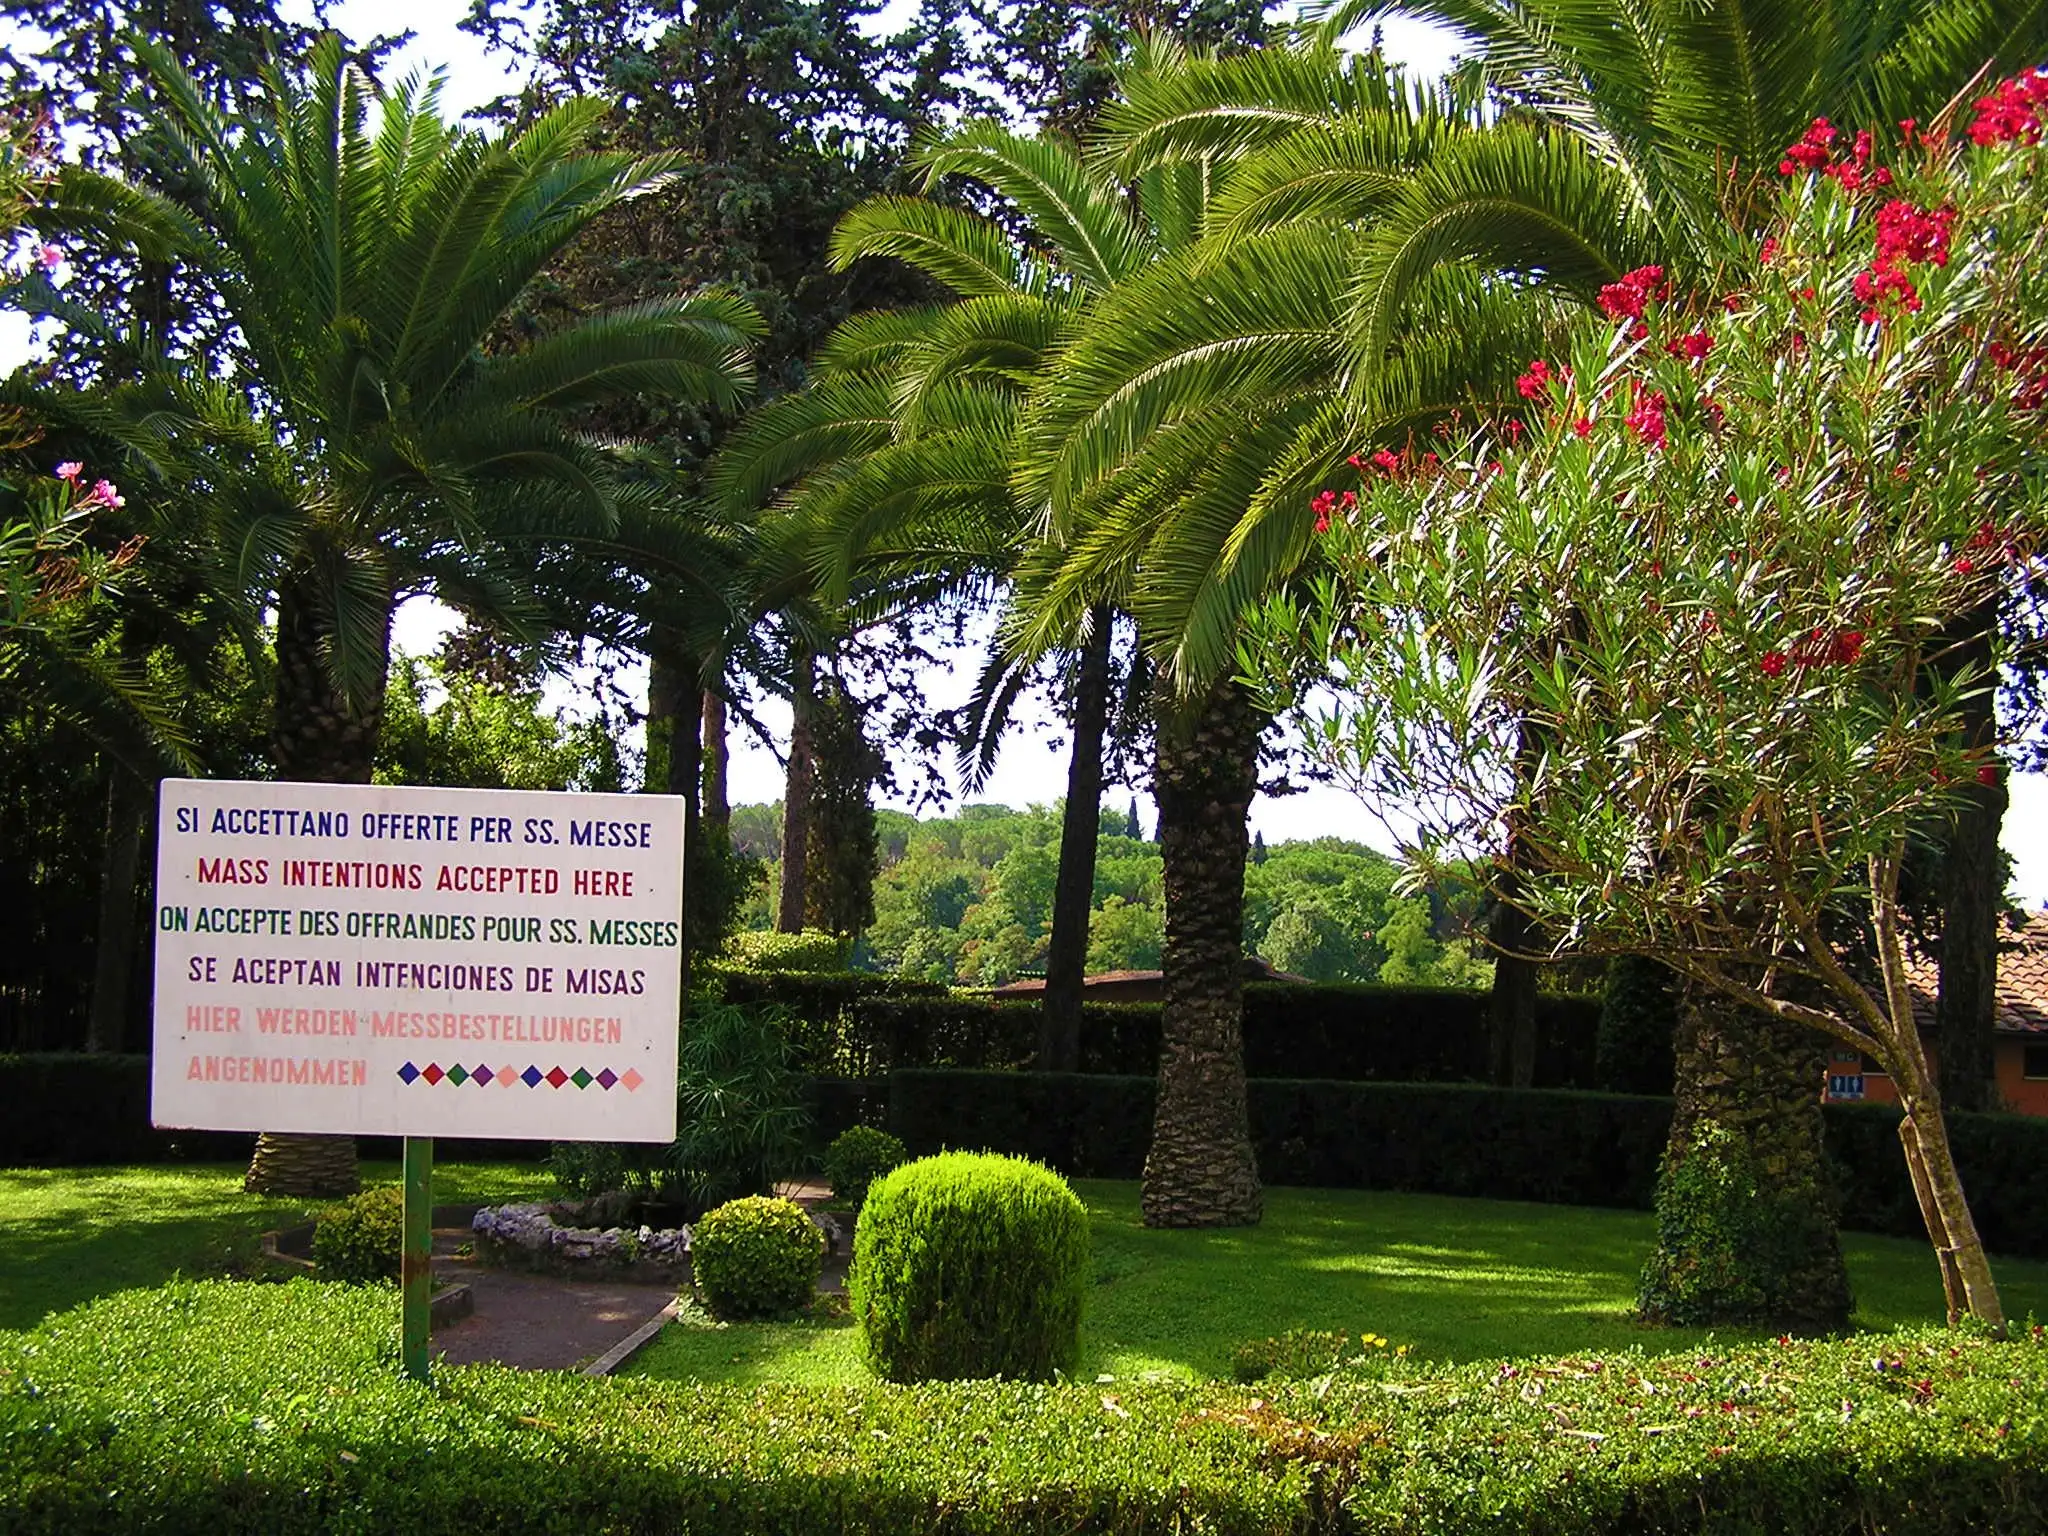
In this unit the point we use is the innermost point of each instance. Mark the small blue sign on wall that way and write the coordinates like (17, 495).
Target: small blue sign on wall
(1845, 1085)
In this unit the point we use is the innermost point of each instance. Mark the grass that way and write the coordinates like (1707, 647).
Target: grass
(1456, 1279)
(70, 1234)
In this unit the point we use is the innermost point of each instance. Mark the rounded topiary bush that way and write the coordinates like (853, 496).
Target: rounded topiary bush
(858, 1157)
(970, 1265)
(756, 1257)
(360, 1239)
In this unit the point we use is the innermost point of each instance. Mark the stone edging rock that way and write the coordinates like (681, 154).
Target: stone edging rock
(528, 1237)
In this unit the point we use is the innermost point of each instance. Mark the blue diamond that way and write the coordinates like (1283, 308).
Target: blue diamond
(408, 1073)
(531, 1077)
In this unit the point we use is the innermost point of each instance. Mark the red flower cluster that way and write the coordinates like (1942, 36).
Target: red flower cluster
(1815, 152)
(2030, 365)
(1646, 421)
(1905, 233)
(1535, 384)
(2012, 113)
(1624, 300)
(1814, 149)
(1772, 664)
(1820, 649)
(1325, 503)
(1693, 344)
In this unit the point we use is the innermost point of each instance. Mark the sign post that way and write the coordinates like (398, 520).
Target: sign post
(416, 1257)
(352, 959)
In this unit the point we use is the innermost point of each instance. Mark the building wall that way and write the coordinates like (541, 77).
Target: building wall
(2029, 1096)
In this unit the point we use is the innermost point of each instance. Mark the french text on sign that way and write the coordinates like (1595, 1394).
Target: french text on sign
(310, 937)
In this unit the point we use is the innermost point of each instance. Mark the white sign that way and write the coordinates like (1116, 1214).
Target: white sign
(417, 962)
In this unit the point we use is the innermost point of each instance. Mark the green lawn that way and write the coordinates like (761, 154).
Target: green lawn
(70, 1234)
(1457, 1279)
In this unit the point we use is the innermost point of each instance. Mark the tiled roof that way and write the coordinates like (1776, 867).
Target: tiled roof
(2022, 981)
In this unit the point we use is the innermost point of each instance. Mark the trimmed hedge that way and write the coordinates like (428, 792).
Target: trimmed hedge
(1548, 1145)
(74, 1109)
(968, 1265)
(70, 1107)
(1338, 1031)
(824, 1012)
(236, 1408)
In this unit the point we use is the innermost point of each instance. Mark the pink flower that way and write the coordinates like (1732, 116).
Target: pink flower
(1646, 421)
(1387, 461)
(49, 257)
(1811, 153)
(1693, 344)
(103, 494)
(1625, 298)
(1583, 427)
(1768, 250)
(1535, 384)
(70, 470)
(2012, 113)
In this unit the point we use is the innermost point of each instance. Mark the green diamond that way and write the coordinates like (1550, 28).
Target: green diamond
(458, 1075)
(580, 1078)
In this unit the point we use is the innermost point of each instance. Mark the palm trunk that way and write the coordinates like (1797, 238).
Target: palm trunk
(113, 960)
(673, 761)
(1966, 1005)
(717, 806)
(1073, 896)
(1200, 1171)
(796, 793)
(1747, 1236)
(317, 736)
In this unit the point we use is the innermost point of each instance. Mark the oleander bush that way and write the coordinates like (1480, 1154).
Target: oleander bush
(970, 1265)
(756, 1257)
(360, 1239)
(857, 1157)
(279, 1410)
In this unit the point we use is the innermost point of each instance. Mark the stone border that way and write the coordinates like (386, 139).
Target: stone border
(634, 1342)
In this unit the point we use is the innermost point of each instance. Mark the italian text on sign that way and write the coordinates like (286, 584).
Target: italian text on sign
(417, 962)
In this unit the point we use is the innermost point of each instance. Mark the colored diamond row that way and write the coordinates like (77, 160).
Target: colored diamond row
(433, 1073)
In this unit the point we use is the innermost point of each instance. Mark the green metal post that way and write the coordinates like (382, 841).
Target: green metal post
(415, 1271)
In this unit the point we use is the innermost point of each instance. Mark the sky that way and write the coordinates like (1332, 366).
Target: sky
(1029, 770)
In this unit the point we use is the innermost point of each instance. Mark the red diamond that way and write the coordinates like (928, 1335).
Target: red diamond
(558, 1077)
(632, 1079)
(433, 1074)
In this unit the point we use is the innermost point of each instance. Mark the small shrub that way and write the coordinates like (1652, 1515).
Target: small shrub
(756, 1257)
(360, 1239)
(970, 1265)
(858, 1157)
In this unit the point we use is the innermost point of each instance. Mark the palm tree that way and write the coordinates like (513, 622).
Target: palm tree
(895, 465)
(376, 444)
(1379, 259)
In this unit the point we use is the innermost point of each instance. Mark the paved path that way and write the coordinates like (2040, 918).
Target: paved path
(541, 1323)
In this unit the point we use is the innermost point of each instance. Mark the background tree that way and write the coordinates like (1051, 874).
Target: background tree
(377, 449)
(1731, 744)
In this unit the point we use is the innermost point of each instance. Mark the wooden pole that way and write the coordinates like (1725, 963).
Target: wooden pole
(415, 1265)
